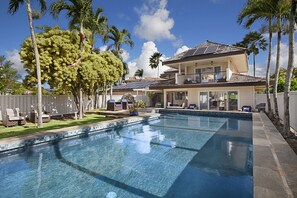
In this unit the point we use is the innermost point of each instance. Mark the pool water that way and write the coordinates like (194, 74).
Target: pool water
(175, 156)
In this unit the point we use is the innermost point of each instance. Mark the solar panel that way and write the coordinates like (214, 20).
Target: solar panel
(190, 52)
(211, 49)
(200, 51)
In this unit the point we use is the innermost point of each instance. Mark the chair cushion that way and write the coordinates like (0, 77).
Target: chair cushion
(12, 118)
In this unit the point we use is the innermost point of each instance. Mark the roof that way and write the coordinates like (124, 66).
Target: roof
(207, 49)
(134, 85)
(235, 80)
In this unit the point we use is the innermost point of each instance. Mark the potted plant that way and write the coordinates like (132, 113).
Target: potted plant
(135, 107)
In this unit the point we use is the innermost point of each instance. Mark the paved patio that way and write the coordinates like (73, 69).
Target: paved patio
(275, 163)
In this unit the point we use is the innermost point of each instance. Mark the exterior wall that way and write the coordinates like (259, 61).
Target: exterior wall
(245, 94)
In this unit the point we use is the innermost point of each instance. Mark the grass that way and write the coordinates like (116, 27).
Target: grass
(6, 132)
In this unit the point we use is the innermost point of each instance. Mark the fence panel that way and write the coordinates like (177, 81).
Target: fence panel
(261, 98)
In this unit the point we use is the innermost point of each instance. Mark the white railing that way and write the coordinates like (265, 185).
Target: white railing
(261, 98)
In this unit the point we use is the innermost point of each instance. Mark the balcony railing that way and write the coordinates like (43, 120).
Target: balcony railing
(201, 78)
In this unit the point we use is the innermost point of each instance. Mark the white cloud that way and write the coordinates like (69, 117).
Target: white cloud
(284, 50)
(155, 23)
(103, 48)
(181, 49)
(260, 70)
(142, 62)
(14, 57)
(125, 55)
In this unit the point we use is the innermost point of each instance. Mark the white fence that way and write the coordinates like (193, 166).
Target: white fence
(62, 103)
(261, 98)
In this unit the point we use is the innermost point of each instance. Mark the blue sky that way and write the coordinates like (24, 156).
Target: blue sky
(166, 26)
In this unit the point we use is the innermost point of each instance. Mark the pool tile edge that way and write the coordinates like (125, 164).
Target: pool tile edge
(15, 143)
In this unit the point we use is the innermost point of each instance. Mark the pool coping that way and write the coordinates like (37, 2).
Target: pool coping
(23, 141)
(274, 162)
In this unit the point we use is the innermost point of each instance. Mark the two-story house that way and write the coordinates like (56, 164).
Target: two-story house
(210, 76)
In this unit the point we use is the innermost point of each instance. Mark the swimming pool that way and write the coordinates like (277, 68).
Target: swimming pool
(174, 156)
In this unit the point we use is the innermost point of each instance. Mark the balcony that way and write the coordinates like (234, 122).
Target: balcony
(201, 78)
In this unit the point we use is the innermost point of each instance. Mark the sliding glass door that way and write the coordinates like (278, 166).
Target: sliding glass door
(203, 100)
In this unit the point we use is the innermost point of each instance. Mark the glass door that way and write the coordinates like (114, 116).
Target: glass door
(203, 100)
(232, 100)
(198, 75)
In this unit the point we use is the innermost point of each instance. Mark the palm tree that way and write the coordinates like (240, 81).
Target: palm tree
(13, 7)
(292, 22)
(118, 37)
(139, 73)
(79, 13)
(97, 25)
(282, 12)
(155, 61)
(258, 10)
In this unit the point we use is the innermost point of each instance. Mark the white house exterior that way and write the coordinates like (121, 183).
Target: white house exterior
(210, 76)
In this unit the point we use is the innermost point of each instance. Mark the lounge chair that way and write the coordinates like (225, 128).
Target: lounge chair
(177, 107)
(13, 118)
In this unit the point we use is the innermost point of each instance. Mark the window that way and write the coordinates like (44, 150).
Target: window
(180, 95)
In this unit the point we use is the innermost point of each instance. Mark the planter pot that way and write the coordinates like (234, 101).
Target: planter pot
(134, 113)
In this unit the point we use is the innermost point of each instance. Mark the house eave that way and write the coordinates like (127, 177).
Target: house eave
(202, 85)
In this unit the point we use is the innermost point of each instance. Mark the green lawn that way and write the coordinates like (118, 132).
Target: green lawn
(53, 124)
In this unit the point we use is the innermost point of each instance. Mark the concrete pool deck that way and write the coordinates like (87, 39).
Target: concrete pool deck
(274, 162)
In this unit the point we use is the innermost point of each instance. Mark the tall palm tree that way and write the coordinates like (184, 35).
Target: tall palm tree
(282, 12)
(97, 25)
(253, 11)
(155, 61)
(292, 22)
(13, 7)
(118, 37)
(79, 12)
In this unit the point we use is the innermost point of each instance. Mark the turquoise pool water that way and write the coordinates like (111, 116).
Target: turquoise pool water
(175, 156)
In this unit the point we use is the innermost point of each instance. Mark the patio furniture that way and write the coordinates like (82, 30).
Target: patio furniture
(192, 106)
(124, 104)
(13, 119)
(34, 117)
(261, 107)
(177, 107)
(114, 106)
(246, 108)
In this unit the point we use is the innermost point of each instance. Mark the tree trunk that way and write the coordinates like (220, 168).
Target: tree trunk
(267, 84)
(36, 53)
(287, 132)
(276, 74)
(80, 89)
(254, 63)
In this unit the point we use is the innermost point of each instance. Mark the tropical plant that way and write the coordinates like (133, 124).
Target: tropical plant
(13, 7)
(292, 22)
(97, 25)
(8, 77)
(155, 61)
(118, 37)
(139, 73)
(79, 12)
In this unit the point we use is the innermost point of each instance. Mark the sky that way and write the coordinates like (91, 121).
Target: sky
(169, 27)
